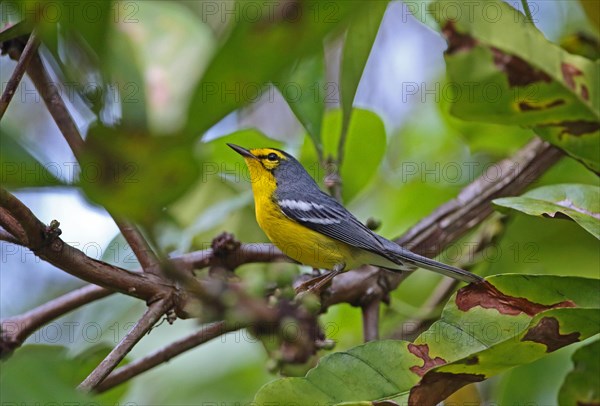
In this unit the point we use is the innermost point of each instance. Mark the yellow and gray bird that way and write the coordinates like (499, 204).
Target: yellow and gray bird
(312, 228)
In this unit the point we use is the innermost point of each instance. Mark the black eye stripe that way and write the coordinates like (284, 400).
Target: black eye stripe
(271, 157)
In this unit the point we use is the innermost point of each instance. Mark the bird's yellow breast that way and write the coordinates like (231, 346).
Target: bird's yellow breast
(295, 240)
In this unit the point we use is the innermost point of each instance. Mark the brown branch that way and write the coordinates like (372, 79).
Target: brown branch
(8, 237)
(10, 224)
(453, 219)
(24, 59)
(32, 228)
(150, 317)
(76, 263)
(231, 259)
(15, 330)
(49, 247)
(370, 315)
(165, 354)
(467, 210)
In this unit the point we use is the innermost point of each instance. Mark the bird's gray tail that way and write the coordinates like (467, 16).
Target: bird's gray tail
(403, 256)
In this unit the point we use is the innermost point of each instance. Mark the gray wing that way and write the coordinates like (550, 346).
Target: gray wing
(325, 215)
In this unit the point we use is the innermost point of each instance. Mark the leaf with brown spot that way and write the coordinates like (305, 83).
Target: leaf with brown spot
(517, 70)
(437, 386)
(422, 351)
(489, 297)
(546, 332)
(515, 76)
(457, 41)
(438, 382)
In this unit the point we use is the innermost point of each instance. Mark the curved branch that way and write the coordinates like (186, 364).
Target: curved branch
(32, 228)
(15, 330)
(12, 226)
(8, 237)
(150, 317)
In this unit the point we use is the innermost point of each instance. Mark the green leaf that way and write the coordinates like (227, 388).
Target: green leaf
(19, 168)
(357, 47)
(580, 203)
(582, 384)
(365, 147)
(364, 150)
(371, 371)
(134, 174)
(256, 52)
(518, 77)
(126, 73)
(485, 329)
(25, 377)
(303, 89)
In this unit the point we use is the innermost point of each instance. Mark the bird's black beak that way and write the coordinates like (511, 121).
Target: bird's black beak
(242, 151)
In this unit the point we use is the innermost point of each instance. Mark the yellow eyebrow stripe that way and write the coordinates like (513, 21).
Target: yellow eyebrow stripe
(263, 152)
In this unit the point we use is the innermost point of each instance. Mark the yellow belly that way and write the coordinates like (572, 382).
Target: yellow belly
(301, 243)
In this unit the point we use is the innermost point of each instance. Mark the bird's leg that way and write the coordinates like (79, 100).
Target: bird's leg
(337, 269)
(314, 285)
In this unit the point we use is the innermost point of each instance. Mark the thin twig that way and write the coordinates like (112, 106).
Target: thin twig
(413, 327)
(164, 354)
(15, 330)
(11, 87)
(243, 254)
(139, 246)
(150, 317)
(55, 104)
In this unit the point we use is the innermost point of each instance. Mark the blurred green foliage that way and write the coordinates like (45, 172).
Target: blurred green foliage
(166, 72)
(582, 384)
(45, 373)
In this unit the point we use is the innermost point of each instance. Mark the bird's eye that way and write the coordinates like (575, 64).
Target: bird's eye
(272, 157)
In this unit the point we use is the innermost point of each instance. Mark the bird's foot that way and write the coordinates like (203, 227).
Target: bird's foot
(316, 284)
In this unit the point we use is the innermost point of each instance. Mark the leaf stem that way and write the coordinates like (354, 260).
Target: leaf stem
(527, 11)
